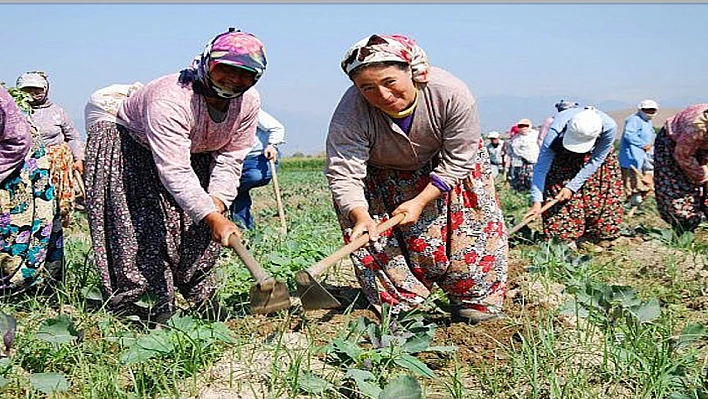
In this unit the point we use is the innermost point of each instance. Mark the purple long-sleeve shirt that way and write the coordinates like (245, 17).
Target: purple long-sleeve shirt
(169, 119)
(56, 127)
(15, 135)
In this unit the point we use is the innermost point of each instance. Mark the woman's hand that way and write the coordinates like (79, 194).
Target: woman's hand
(219, 204)
(564, 195)
(534, 211)
(363, 223)
(79, 165)
(412, 209)
(221, 228)
(270, 152)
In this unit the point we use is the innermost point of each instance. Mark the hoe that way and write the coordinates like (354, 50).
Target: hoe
(312, 294)
(267, 295)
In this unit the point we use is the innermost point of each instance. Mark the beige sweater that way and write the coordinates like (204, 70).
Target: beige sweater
(445, 122)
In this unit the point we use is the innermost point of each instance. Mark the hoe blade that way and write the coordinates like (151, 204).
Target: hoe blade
(312, 294)
(269, 297)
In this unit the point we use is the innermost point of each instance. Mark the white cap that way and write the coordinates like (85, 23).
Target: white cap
(582, 131)
(493, 135)
(648, 104)
(32, 79)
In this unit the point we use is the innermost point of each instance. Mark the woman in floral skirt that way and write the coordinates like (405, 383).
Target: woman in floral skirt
(681, 168)
(405, 138)
(578, 167)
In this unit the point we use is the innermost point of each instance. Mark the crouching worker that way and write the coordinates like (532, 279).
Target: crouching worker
(160, 179)
(405, 138)
(578, 167)
(31, 234)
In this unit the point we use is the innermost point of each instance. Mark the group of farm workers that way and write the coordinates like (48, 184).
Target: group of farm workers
(168, 165)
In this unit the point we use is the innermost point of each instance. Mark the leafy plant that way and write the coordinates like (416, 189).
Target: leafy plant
(371, 353)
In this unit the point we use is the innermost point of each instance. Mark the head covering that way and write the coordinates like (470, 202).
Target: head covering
(562, 105)
(648, 104)
(493, 135)
(235, 48)
(379, 48)
(35, 79)
(582, 131)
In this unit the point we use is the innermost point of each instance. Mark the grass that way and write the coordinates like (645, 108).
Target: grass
(585, 324)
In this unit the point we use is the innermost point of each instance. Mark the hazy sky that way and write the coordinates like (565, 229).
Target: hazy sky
(624, 52)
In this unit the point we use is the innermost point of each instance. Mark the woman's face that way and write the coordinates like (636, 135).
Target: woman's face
(390, 88)
(232, 79)
(37, 93)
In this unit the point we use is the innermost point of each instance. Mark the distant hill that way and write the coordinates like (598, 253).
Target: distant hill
(658, 121)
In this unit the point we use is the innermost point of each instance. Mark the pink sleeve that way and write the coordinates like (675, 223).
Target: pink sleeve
(228, 161)
(168, 127)
(684, 153)
(15, 135)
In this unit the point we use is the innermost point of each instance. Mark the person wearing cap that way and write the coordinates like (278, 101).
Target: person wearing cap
(60, 137)
(578, 167)
(495, 148)
(31, 233)
(522, 155)
(405, 139)
(637, 140)
(160, 179)
(561, 105)
(681, 168)
(256, 169)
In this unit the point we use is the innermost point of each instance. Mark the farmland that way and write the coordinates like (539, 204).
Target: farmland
(626, 321)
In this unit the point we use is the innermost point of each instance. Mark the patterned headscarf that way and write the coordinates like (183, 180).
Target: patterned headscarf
(377, 48)
(235, 48)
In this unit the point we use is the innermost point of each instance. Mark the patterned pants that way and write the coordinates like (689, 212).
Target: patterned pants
(520, 177)
(595, 211)
(31, 235)
(459, 242)
(681, 202)
(143, 241)
(62, 171)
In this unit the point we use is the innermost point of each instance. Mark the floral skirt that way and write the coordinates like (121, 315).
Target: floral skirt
(681, 202)
(458, 243)
(143, 242)
(31, 234)
(595, 211)
(62, 171)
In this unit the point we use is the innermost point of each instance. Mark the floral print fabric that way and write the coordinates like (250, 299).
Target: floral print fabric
(379, 48)
(62, 167)
(681, 201)
(31, 235)
(459, 241)
(143, 242)
(595, 211)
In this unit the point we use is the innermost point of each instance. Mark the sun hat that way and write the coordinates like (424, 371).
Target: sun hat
(582, 131)
(648, 104)
(32, 79)
(493, 135)
(524, 121)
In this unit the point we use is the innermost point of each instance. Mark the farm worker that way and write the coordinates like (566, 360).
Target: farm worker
(577, 165)
(160, 179)
(405, 138)
(522, 154)
(561, 105)
(681, 167)
(31, 252)
(60, 138)
(256, 170)
(495, 148)
(637, 140)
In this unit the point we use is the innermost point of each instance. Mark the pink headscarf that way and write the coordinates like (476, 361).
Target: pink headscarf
(377, 48)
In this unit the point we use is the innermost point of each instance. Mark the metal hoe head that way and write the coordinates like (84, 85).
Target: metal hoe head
(269, 297)
(312, 294)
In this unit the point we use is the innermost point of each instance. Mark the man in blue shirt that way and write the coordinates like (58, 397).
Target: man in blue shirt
(635, 143)
(256, 171)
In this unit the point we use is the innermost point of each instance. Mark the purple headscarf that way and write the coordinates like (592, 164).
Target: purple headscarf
(235, 48)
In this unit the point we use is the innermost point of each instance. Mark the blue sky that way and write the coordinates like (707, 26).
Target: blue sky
(530, 54)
